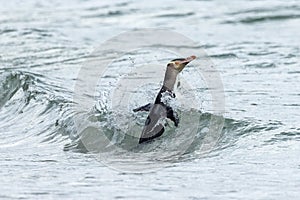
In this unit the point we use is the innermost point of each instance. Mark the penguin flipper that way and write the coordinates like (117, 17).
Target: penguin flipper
(148, 138)
(172, 115)
(146, 107)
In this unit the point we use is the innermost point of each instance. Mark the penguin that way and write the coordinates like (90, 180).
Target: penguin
(154, 126)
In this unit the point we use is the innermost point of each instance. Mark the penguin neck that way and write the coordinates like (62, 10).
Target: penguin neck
(170, 79)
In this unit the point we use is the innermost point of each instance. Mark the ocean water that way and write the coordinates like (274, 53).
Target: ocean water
(52, 148)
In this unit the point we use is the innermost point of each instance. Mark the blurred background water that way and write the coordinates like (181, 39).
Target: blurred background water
(254, 46)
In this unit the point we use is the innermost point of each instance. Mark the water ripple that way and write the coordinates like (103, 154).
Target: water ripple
(257, 19)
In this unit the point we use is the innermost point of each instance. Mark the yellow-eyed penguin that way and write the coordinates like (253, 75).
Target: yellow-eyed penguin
(154, 126)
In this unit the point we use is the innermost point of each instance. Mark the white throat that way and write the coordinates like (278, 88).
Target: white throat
(170, 78)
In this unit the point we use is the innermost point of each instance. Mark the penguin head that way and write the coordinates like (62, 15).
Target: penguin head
(179, 63)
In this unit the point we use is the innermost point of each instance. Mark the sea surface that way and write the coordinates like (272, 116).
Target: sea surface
(51, 147)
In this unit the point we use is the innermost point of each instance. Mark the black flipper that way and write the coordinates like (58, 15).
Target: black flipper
(146, 107)
(172, 115)
(145, 139)
(154, 126)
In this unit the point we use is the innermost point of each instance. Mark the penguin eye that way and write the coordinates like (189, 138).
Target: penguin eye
(169, 65)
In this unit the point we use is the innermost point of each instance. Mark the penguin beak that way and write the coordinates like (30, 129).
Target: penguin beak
(181, 64)
(187, 60)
